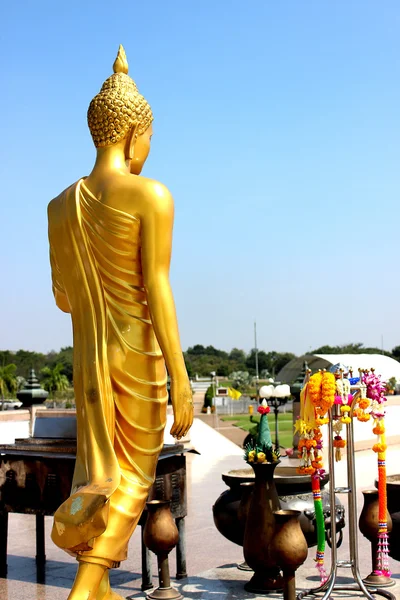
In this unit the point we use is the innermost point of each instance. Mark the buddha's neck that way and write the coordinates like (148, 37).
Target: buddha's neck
(111, 158)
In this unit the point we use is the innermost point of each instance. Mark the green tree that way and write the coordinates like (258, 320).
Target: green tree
(391, 384)
(208, 397)
(53, 379)
(237, 355)
(271, 362)
(357, 348)
(241, 380)
(7, 357)
(282, 359)
(211, 351)
(8, 380)
(223, 369)
(263, 361)
(396, 353)
(65, 357)
(197, 350)
(26, 360)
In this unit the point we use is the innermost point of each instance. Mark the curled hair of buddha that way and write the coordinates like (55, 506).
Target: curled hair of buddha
(118, 107)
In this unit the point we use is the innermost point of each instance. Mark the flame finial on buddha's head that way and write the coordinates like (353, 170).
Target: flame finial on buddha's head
(121, 63)
(118, 107)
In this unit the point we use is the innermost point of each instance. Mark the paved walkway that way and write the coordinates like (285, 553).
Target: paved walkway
(225, 428)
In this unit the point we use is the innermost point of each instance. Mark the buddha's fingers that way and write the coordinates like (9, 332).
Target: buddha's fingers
(188, 422)
(183, 430)
(176, 430)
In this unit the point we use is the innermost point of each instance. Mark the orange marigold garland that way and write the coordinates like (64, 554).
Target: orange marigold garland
(328, 389)
(314, 387)
(317, 398)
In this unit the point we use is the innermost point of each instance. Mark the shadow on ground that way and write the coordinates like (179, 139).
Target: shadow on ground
(58, 573)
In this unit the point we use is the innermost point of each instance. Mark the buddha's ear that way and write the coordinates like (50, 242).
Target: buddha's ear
(130, 143)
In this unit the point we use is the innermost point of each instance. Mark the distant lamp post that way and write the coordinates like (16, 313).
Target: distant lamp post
(256, 357)
(214, 384)
(276, 396)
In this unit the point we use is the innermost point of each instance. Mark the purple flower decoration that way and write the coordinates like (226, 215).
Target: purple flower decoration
(319, 474)
(378, 414)
(375, 387)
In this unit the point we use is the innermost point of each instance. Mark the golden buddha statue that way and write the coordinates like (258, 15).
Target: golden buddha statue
(110, 246)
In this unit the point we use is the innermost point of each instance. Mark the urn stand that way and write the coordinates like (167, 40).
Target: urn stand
(161, 536)
(331, 585)
(369, 527)
(289, 546)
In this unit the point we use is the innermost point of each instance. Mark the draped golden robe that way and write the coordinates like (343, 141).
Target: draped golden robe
(119, 374)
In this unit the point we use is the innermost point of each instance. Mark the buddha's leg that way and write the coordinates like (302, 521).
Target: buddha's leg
(139, 432)
(105, 592)
(87, 581)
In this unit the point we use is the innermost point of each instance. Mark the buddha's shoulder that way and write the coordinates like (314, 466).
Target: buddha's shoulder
(152, 192)
(54, 206)
(149, 187)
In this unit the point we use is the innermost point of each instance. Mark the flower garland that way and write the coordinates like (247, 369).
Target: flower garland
(316, 398)
(363, 410)
(375, 393)
(338, 442)
(344, 399)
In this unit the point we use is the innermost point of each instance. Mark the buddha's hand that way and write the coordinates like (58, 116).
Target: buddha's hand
(182, 404)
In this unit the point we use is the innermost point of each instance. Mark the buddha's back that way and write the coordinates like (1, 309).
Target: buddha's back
(114, 235)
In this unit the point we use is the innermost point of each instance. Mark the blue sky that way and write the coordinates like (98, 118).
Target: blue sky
(277, 130)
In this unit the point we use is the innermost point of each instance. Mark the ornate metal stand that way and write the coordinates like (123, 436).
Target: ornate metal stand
(353, 563)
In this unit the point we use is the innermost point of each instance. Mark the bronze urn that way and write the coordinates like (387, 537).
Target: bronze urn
(289, 547)
(161, 536)
(259, 530)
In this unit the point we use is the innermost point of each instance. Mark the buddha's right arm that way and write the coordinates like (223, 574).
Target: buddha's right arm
(156, 235)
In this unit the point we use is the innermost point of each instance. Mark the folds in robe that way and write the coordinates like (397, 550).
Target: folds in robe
(119, 370)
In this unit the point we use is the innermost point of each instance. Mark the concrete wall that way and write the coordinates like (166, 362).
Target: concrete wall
(14, 424)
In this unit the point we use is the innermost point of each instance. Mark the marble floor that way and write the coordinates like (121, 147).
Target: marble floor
(211, 559)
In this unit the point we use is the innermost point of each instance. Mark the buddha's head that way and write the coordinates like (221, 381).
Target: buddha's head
(119, 115)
